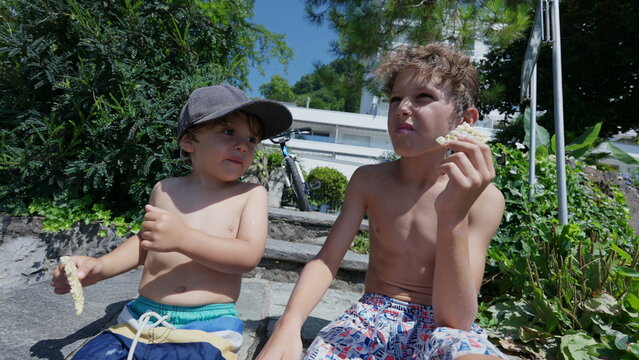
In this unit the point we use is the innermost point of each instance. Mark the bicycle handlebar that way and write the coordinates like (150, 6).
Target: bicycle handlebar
(286, 135)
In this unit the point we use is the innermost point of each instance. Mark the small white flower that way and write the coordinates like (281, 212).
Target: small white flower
(520, 146)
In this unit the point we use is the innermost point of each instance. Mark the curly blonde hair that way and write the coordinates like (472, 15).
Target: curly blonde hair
(434, 61)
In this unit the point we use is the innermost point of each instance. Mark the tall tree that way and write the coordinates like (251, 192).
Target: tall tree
(335, 86)
(600, 47)
(277, 89)
(90, 90)
(367, 27)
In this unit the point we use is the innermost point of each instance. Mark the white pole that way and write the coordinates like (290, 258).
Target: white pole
(532, 149)
(559, 115)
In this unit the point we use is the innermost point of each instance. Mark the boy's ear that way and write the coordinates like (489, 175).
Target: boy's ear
(187, 144)
(470, 116)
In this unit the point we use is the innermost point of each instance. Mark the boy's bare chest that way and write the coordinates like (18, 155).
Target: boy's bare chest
(217, 220)
(220, 218)
(404, 221)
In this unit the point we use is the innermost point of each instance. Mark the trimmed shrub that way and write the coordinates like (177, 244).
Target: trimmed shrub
(332, 187)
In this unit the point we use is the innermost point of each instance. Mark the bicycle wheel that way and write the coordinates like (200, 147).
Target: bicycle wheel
(297, 185)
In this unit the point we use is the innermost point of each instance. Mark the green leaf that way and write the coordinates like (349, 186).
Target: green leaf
(621, 252)
(633, 348)
(622, 155)
(628, 272)
(545, 310)
(581, 152)
(604, 303)
(528, 334)
(630, 302)
(586, 139)
(541, 134)
(542, 152)
(574, 346)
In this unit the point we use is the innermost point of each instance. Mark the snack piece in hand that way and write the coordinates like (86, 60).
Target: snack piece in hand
(76, 287)
(463, 129)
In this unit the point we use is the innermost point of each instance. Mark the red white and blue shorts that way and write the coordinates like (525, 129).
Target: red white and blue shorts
(379, 327)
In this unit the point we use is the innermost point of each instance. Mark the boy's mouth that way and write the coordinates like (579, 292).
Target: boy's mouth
(404, 128)
(235, 161)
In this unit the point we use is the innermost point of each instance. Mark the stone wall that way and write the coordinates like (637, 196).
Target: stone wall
(28, 254)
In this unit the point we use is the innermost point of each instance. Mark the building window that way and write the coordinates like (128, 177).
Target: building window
(357, 140)
(321, 136)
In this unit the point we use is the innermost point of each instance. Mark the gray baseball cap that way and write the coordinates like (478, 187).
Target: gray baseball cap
(213, 102)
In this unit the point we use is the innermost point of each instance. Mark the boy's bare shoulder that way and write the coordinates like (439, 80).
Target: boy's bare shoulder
(491, 195)
(167, 185)
(489, 206)
(374, 171)
(171, 184)
(253, 189)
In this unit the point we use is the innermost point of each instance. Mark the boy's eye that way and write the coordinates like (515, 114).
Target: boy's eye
(395, 99)
(228, 131)
(425, 95)
(252, 140)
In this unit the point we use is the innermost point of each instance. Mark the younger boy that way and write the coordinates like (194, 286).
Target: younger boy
(431, 217)
(200, 233)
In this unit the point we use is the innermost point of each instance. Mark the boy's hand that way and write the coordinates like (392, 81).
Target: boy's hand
(282, 345)
(161, 229)
(89, 272)
(470, 170)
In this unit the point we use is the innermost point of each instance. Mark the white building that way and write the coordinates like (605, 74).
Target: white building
(340, 140)
(344, 141)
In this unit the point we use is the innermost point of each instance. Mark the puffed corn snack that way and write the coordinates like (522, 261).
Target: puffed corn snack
(76, 287)
(463, 129)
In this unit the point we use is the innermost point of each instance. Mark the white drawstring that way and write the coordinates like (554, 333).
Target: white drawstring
(142, 325)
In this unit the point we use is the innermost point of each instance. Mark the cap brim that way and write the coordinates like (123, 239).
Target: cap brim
(275, 117)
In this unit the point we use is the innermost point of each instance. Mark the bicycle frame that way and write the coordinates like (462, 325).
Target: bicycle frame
(292, 168)
(287, 154)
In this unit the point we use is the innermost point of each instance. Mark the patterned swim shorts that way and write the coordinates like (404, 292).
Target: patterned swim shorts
(379, 327)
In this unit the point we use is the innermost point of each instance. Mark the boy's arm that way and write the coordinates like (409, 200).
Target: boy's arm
(91, 270)
(285, 342)
(238, 255)
(468, 213)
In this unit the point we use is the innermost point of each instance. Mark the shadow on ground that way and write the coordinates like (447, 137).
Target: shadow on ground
(51, 349)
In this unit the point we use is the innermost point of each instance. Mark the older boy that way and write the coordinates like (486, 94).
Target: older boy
(430, 226)
(200, 233)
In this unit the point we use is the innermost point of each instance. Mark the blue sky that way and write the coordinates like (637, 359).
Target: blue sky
(309, 42)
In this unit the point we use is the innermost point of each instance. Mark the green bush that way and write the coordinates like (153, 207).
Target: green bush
(332, 187)
(561, 291)
(90, 92)
(274, 159)
(265, 162)
(361, 242)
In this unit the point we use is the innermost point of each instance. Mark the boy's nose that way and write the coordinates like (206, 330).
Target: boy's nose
(404, 107)
(240, 146)
(243, 145)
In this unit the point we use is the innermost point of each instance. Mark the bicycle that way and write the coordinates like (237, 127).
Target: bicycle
(291, 167)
